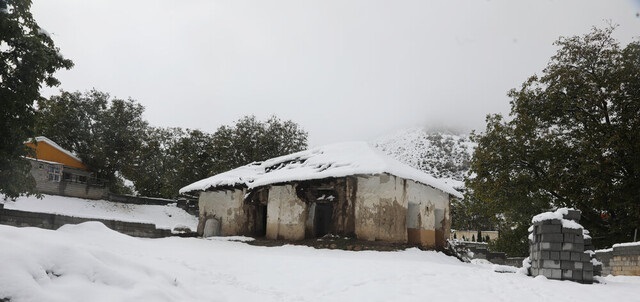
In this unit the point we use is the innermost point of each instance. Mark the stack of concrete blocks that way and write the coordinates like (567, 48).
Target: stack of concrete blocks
(557, 247)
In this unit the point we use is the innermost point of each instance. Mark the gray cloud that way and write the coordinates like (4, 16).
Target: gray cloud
(344, 70)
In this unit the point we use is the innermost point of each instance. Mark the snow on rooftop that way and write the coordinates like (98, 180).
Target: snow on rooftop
(53, 144)
(335, 160)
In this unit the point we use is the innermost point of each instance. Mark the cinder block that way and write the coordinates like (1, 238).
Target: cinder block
(588, 266)
(572, 231)
(556, 237)
(548, 222)
(550, 229)
(545, 272)
(567, 274)
(578, 265)
(577, 275)
(573, 215)
(551, 264)
(557, 274)
(565, 255)
(587, 276)
(576, 256)
(554, 255)
(545, 255)
(567, 265)
(567, 246)
(585, 257)
(568, 237)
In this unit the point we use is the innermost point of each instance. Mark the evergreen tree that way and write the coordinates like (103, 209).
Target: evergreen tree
(29, 58)
(571, 141)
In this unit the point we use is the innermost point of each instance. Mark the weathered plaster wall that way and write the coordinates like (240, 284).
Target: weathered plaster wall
(381, 208)
(394, 209)
(228, 208)
(428, 216)
(286, 214)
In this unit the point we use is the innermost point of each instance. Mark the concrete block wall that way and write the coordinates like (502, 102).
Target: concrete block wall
(624, 259)
(558, 252)
(54, 221)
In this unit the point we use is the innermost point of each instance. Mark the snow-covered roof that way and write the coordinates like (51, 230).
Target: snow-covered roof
(53, 144)
(335, 160)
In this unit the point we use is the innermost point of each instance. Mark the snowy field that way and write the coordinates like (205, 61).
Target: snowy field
(89, 262)
(164, 217)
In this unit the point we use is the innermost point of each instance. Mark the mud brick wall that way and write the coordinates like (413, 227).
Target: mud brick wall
(558, 252)
(54, 221)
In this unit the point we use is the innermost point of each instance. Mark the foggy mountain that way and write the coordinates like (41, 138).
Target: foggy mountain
(439, 153)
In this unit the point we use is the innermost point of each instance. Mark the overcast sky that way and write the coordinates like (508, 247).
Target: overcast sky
(343, 70)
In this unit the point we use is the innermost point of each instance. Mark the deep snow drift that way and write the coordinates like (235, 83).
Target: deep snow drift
(89, 262)
(164, 217)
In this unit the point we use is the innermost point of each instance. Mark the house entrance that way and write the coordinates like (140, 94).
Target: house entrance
(261, 220)
(322, 219)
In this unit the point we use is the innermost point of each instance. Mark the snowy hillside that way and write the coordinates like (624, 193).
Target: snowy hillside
(89, 262)
(445, 156)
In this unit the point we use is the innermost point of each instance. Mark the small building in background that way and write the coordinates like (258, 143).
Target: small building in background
(59, 172)
(346, 189)
(472, 235)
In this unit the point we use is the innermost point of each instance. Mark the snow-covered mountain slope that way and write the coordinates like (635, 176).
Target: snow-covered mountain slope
(445, 156)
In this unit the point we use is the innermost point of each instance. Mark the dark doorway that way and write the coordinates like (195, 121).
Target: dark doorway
(322, 219)
(261, 220)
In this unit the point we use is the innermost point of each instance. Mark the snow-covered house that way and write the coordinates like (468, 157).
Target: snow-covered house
(348, 189)
(58, 171)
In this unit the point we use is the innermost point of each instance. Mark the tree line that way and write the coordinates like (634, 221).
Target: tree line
(112, 138)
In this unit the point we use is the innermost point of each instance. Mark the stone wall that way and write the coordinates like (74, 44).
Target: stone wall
(621, 260)
(54, 221)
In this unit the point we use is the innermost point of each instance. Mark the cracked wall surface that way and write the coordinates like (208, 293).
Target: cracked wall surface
(375, 207)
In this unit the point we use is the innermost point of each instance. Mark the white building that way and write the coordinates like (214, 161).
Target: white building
(347, 189)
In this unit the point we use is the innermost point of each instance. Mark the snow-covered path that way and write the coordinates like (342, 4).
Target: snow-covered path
(89, 262)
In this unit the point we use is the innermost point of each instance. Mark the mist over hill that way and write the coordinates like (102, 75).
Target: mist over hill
(440, 153)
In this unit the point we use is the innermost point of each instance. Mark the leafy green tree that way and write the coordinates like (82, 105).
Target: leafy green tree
(169, 159)
(251, 140)
(571, 141)
(472, 214)
(29, 59)
(105, 133)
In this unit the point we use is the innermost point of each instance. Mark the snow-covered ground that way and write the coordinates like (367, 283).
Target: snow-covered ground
(89, 262)
(164, 217)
